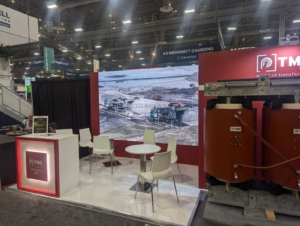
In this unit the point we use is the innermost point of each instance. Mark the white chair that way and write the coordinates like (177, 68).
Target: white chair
(172, 145)
(85, 139)
(149, 138)
(102, 147)
(161, 168)
(64, 131)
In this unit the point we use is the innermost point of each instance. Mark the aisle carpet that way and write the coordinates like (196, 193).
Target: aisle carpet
(19, 208)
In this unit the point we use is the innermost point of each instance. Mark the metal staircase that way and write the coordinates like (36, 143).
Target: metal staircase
(13, 105)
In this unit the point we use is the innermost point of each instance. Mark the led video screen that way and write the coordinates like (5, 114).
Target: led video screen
(161, 99)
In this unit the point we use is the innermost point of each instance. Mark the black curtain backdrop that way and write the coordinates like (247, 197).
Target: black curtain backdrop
(66, 102)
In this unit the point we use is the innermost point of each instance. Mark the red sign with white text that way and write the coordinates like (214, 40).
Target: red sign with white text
(36, 165)
(283, 61)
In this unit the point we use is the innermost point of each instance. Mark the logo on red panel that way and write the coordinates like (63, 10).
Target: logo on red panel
(278, 65)
(36, 165)
(266, 63)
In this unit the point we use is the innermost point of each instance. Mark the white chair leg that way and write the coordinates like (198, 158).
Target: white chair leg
(175, 189)
(91, 161)
(179, 172)
(137, 184)
(152, 197)
(111, 164)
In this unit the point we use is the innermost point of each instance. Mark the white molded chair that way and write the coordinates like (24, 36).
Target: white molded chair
(161, 168)
(102, 147)
(149, 138)
(64, 131)
(172, 145)
(85, 138)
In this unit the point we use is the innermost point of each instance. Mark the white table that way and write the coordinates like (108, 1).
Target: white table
(142, 150)
(111, 137)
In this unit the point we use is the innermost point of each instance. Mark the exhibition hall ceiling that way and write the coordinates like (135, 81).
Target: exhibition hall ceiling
(119, 33)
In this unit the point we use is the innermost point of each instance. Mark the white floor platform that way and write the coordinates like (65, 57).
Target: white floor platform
(111, 191)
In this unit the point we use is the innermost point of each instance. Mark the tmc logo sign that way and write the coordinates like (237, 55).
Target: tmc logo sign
(33, 162)
(267, 63)
(270, 63)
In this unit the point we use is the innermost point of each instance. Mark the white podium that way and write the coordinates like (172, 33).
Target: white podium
(47, 164)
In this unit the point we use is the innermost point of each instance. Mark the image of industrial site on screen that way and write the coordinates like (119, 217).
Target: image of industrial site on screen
(161, 99)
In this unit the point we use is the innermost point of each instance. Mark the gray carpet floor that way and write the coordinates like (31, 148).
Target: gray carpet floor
(18, 208)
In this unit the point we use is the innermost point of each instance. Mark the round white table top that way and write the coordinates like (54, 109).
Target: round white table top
(112, 135)
(142, 149)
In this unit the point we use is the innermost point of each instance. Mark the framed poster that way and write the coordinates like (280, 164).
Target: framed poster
(36, 165)
(40, 124)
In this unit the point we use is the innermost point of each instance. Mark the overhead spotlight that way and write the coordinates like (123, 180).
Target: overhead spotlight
(153, 54)
(141, 58)
(97, 46)
(189, 11)
(89, 62)
(267, 37)
(77, 69)
(134, 42)
(51, 6)
(107, 55)
(143, 64)
(78, 29)
(179, 36)
(231, 28)
(79, 58)
(36, 54)
(120, 66)
(127, 22)
(64, 50)
(138, 52)
(296, 21)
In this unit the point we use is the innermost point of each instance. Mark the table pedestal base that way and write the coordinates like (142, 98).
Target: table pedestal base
(146, 189)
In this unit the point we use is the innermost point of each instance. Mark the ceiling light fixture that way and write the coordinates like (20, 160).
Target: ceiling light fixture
(51, 6)
(77, 69)
(296, 21)
(134, 42)
(127, 22)
(36, 54)
(138, 52)
(179, 36)
(78, 29)
(89, 62)
(64, 50)
(143, 64)
(107, 55)
(268, 37)
(231, 28)
(97, 47)
(27, 68)
(189, 11)
(141, 58)
(79, 58)
(120, 66)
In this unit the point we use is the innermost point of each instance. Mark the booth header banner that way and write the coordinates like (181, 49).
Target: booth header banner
(17, 28)
(49, 62)
(39, 62)
(283, 61)
(184, 53)
(71, 74)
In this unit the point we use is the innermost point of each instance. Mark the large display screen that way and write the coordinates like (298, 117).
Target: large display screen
(161, 99)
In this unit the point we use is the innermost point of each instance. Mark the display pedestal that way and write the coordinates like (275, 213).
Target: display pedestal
(48, 165)
(223, 215)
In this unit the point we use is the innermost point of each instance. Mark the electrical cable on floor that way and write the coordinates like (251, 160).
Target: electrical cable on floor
(265, 142)
(266, 167)
(228, 189)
